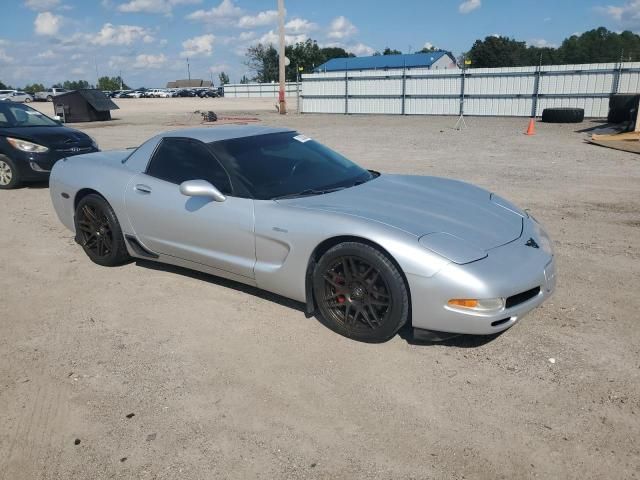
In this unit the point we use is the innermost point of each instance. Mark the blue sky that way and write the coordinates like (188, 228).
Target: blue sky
(48, 41)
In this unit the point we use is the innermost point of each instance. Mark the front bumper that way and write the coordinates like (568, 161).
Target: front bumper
(37, 166)
(506, 272)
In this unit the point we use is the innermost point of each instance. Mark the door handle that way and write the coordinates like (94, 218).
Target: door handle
(143, 188)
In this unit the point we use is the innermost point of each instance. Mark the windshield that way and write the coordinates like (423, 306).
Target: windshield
(286, 164)
(17, 115)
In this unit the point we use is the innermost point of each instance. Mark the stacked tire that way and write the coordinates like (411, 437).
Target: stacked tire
(563, 115)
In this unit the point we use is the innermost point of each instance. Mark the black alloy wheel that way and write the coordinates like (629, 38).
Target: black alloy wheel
(99, 233)
(360, 293)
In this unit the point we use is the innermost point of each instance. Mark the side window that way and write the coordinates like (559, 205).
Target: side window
(180, 159)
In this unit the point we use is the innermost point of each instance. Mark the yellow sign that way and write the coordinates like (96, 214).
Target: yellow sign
(301, 69)
(467, 62)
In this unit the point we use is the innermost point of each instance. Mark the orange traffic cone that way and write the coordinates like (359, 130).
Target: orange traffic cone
(531, 130)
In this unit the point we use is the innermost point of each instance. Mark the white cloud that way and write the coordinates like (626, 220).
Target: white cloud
(224, 12)
(246, 36)
(341, 28)
(150, 61)
(428, 46)
(262, 19)
(272, 37)
(46, 23)
(5, 57)
(360, 50)
(222, 67)
(153, 6)
(78, 71)
(120, 35)
(41, 5)
(541, 43)
(300, 25)
(627, 13)
(469, 6)
(47, 54)
(202, 45)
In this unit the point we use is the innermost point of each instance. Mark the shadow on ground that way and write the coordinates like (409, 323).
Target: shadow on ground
(406, 332)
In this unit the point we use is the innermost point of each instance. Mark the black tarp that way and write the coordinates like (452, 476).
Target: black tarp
(84, 106)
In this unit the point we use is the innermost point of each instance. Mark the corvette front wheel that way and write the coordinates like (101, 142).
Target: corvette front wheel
(360, 293)
(99, 233)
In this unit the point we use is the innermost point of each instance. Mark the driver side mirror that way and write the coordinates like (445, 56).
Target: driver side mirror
(201, 188)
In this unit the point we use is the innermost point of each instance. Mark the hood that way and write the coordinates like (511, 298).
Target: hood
(52, 137)
(426, 205)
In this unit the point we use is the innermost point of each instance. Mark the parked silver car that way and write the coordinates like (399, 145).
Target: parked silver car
(17, 96)
(271, 208)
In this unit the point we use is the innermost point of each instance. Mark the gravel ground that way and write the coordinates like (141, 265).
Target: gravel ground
(150, 372)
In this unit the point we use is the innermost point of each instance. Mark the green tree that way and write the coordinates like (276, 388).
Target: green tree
(224, 78)
(595, 46)
(335, 52)
(111, 83)
(600, 46)
(389, 51)
(263, 61)
(3, 86)
(498, 52)
(75, 84)
(428, 49)
(33, 88)
(244, 79)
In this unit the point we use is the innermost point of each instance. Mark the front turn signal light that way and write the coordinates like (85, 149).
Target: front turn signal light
(479, 305)
(463, 302)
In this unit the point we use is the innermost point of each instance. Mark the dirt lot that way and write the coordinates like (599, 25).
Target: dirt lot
(227, 382)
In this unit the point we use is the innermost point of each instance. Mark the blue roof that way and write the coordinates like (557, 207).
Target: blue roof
(414, 60)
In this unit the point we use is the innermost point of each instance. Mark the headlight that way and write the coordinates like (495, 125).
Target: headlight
(25, 146)
(545, 241)
(477, 304)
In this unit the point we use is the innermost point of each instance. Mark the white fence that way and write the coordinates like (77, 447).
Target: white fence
(520, 91)
(255, 90)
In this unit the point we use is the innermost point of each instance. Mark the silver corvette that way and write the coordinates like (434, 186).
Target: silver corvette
(366, 252)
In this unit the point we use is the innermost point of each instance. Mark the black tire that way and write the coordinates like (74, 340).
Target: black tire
(98, 232)
(9, 176)
(27, 100)
(563, 115)
(360, 293)
(49, 98)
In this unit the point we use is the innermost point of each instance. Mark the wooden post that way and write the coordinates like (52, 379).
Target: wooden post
(282, 97)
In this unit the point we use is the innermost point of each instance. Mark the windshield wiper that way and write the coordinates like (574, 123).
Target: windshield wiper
(309, 191)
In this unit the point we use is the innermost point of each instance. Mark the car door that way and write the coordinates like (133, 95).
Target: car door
(201, 230)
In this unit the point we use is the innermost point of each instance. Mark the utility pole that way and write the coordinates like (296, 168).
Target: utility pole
(281, 98)
(188, 70)
(120, 76)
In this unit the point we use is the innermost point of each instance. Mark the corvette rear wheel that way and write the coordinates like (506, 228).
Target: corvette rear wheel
(99, 233)
(360, 293)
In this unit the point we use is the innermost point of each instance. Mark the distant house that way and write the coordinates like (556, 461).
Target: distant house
(193, 83)
(433, 60)
(88, 105)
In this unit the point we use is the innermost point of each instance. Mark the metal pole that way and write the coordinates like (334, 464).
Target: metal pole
(298, 87)
(346, 88)
(404, 86)
(189, 71)
(536, 90)
(282, 97)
